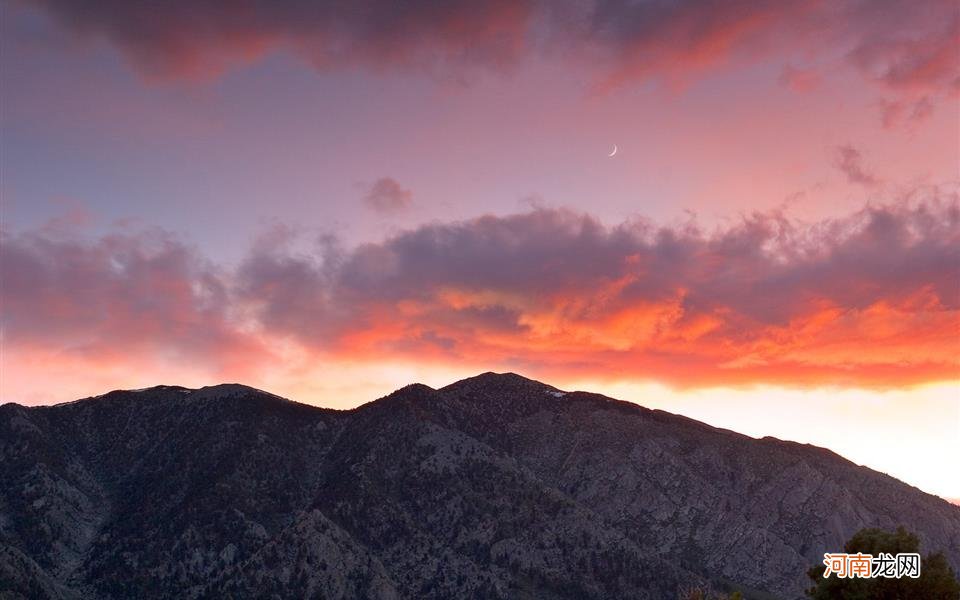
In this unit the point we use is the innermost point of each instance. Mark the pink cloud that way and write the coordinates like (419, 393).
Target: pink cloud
(387, 196)
(146, 296)
(850, 163)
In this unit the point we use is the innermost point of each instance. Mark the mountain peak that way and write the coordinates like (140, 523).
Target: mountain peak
(497, 382)
(232, 390)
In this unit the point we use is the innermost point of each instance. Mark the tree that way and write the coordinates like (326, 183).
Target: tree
(936, 581)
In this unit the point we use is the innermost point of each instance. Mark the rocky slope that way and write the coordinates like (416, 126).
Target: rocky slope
(493, 487)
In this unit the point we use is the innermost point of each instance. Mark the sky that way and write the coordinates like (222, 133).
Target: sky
(330, 201)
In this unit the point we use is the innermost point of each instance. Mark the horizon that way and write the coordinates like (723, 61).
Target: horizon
(747, 213)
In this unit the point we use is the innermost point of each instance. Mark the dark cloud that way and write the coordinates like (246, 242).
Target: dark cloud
(901, 58)
(908, 47)
(870, 299)
(197, 38)
(387, 196)
(850, 163)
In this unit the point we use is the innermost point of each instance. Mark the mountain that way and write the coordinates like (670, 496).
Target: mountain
(493, 487)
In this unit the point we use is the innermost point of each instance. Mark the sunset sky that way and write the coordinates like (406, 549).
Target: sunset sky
(329, 202)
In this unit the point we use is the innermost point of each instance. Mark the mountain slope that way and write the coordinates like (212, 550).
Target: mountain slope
(493, 487)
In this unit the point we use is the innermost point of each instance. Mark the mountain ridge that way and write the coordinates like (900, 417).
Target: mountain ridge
(486, 376)
(494, 486)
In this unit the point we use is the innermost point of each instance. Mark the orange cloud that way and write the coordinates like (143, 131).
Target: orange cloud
(869, 300)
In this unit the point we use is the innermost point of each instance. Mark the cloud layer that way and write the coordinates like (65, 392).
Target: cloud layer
(909, 48)
(869, 300)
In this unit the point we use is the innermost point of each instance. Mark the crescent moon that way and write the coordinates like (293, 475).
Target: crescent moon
(614, 150)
